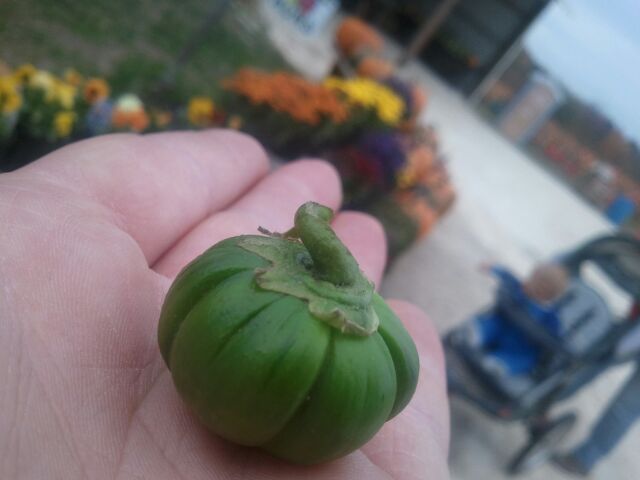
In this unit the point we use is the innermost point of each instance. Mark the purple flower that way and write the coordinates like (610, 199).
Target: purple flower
(385, 155)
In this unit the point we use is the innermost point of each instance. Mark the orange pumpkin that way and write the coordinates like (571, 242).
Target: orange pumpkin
(374, 67)
(420, 99)
(354, 36)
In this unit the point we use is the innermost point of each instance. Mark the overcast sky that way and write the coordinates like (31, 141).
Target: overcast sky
(593, 48)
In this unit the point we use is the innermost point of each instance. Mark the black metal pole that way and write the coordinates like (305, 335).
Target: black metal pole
(428, 29)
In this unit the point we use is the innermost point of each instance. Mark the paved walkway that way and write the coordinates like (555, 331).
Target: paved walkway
(510, 211)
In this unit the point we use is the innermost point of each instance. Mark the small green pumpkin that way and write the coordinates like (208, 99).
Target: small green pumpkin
(280, 342)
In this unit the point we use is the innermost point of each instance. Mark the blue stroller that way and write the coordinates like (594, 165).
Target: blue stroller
(564, 365)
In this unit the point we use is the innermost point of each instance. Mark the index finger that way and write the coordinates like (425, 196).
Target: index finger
(157, 187)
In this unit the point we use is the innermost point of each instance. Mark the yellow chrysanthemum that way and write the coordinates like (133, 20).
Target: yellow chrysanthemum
(200, 111)
(24, 73)
(73, 77)
(8, 82)
(43, 81)
(368, 93)
(10, 103)
(63, 123)
(10, 98)
(64, 93)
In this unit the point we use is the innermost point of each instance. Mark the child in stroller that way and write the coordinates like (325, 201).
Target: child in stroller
(507, 353)
(565, 360)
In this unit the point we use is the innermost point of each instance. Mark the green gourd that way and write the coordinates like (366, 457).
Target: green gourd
(281, 343)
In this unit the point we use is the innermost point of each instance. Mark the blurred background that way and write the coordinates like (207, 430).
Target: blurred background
(476, 131)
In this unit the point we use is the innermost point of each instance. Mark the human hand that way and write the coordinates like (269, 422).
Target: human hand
(90, 238)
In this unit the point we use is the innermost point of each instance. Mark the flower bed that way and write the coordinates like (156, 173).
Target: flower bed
(390, 166)
(294, 116)
(40, 111)
(399, 177)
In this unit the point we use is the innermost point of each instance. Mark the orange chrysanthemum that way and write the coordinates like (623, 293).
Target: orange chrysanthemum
(290, 94)
(96, 90)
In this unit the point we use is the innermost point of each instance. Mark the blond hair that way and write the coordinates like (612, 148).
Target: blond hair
(546, 283)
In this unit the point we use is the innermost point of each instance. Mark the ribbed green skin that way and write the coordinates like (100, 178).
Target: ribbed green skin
(258, 369)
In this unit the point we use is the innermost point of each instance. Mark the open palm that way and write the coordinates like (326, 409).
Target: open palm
(90, 238)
